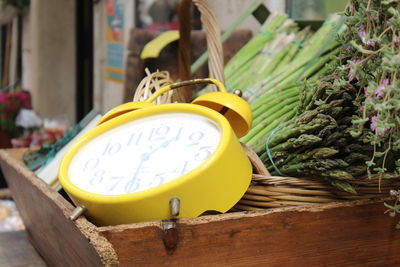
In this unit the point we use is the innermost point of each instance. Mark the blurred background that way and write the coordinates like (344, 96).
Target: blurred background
(61, 59)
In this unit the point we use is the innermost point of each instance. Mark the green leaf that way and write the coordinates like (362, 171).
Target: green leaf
(355, 134)
(360, 121)
(388, 206)
(397, 208)
(344, 186)
(379, 154)
(380, 170)
(370, 163)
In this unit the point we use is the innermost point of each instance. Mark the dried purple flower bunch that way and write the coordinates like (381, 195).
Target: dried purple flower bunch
(348, 122)
(373, 37)
(394, 209)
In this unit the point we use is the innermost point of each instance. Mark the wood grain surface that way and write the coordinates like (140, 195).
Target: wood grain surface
(60, 241)
(338, 234)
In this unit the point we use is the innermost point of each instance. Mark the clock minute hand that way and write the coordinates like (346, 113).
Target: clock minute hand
(145, 157)
(163, 145)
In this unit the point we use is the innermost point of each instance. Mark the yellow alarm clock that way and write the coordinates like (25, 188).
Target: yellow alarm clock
(143, 156)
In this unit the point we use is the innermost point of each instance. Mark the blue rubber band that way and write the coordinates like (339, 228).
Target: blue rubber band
(266, 33)
(252, 91)
(298, 43)
(268, 52)
(269, 152)
(230, 88)
(343, 44)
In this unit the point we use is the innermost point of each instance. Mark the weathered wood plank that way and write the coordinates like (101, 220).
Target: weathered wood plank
(338, 234)
(60, 241)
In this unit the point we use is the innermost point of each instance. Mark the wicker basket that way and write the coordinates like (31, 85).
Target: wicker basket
(267, 191)
(275, 191)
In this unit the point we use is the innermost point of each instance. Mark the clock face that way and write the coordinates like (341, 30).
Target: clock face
(144, 153)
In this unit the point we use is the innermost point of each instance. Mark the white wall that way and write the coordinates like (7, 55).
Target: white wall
(53, 60)
(227, 11)
(108, 93)
(98, 54)
(26, 53)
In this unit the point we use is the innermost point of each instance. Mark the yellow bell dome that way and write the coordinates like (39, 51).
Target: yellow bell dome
(235, 109)
(124, 108)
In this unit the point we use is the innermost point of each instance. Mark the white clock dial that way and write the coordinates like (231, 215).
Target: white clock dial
(144, 153)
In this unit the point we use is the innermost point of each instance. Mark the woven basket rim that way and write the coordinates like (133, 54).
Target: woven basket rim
(280, 180)
(268, 191)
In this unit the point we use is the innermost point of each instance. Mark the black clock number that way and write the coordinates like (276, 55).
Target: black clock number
(98, 177)
(132, 185)
(91, 164)
(203, 153)
(134, 138)
(181, 168)
(116, 180)
(195, 137)
(111, 149)
(157, 180)
(159, 133)
(178, 135)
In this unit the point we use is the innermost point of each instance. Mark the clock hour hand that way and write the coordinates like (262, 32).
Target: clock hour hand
(145, 156)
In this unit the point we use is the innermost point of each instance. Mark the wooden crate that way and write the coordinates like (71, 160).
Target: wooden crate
(353, 233)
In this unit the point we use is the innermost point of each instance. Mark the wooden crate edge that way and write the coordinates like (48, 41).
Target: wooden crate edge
(83, 229)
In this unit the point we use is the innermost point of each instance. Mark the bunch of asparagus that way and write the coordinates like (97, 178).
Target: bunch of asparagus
(346, 125)
(317, 141)
(271, 68)
(279, 55)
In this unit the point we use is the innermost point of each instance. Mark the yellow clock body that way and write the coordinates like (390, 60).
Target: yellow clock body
(128, 168)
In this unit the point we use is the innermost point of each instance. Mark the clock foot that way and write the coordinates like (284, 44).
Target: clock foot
(78, 211)
(175, 205)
